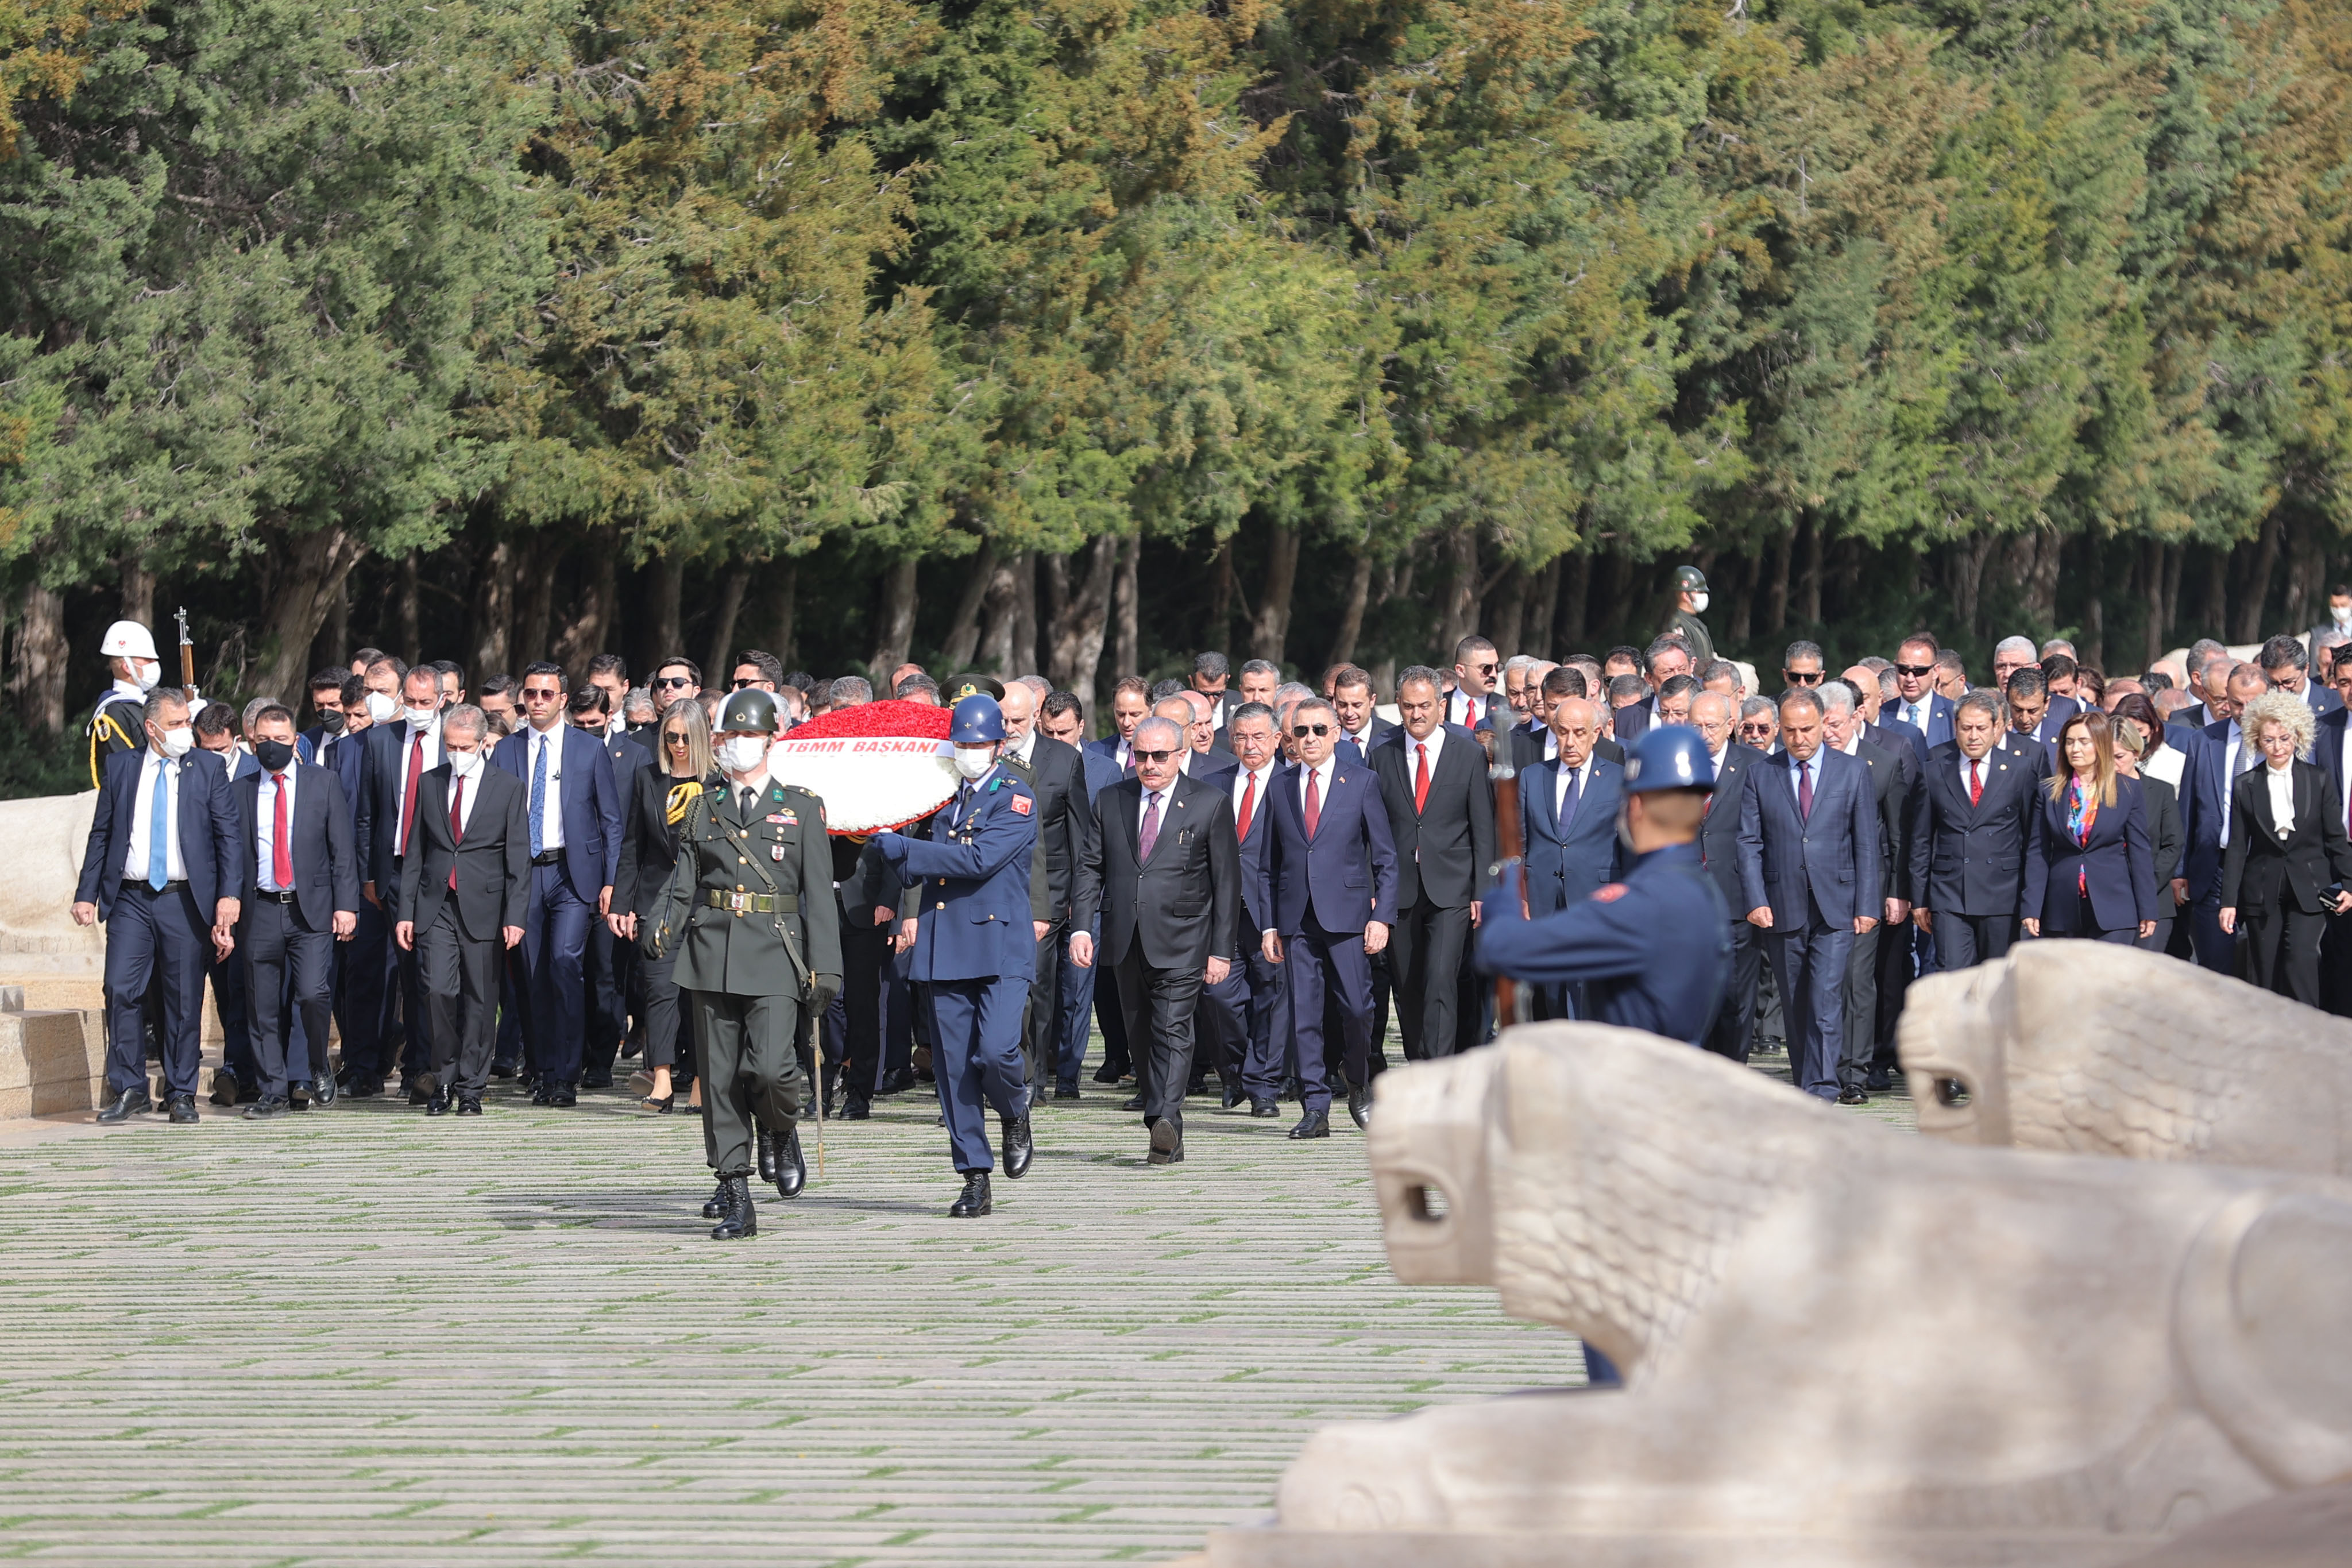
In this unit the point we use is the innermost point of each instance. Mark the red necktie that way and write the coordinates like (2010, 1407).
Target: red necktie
(408, 797)
(1249, 805)
(1314, 804)
(1420, 777)
(457, 822)
(1976, 782)
(281, 841)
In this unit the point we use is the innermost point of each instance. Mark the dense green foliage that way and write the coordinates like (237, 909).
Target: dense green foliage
(1334, 327)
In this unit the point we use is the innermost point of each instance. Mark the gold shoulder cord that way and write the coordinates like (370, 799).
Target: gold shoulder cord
(681, 797)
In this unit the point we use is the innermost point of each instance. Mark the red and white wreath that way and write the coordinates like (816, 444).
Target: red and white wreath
(881, 764)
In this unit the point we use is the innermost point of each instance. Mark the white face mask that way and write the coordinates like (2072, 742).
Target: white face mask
(465, 765)
(380, 707)
(741, 754)
(1699, 603)
(973, 762)
(179, 742)
(149, 674)
(422, 718)
(2340, 614)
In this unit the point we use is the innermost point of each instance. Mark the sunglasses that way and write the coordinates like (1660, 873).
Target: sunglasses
(1485, 669)
(1303, 731)
(1804, 677)
(741, 683)
(1155, 756)
(1914, 671)
(541, 693)
(674, 738)
(669, 680)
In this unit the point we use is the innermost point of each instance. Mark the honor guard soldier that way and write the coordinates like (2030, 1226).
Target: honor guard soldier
(975, 951)
(119, 722)
(1653, 951)
(1690, 603)
(749, 909)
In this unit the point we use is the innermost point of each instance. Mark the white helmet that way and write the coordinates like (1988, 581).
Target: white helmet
(127, 639)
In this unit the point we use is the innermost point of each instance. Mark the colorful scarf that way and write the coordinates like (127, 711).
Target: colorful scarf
(2082, 811)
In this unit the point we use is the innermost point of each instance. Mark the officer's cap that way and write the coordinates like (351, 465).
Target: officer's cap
(973, 684)
(977, 720)
(749, 711)
(1671, 756)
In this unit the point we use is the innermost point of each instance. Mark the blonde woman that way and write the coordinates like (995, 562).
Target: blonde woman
(2090, 870)
(648, 854)
(2286, 849)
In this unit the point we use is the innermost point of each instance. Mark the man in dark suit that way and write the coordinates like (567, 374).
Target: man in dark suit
(1244, 1009)
(1361, 728)
(1968, 840)
(2033, 719)
(238, 1081)
(301, 878)
(1917, 703)
(1330, 883)
(610, 959)
(1442, 819)
(1063, 892)
(397, 754)
(1713, 715)
(1062, 717)
(1811, 876)
(2216, 757)
(338, 743)
(2287, 662)
(1188, 710)
(1568, 814)
(1475, 667)
(1131, 704)
(1171, 876)
(572, 816)
(159, 868)
(462, 898)
(1892, 778)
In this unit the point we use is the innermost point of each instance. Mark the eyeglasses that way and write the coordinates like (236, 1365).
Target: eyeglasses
(660, 682)
(1914, 671)
(1154, 756)
(1803, 677)
(541, 693)
(1303, 731)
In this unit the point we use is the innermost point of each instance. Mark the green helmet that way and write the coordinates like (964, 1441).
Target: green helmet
(1689, 580)
(749, 711)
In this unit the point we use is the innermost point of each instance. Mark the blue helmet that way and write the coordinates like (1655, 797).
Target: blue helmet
(1671, 756)
(978, 721)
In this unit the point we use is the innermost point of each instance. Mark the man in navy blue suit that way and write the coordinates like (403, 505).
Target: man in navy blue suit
(1244, 1009)
(338, 743)
(159, 867)
(396, 756)
(1568, 816)
(2216, 757)
(1809, 872)
(1917, 703)
(574, 809)
(1131, 704)
(1062, 717)
(1968, 840)
(1442, 818)
(239, 1082)
(1330, 883)
(2287, 662)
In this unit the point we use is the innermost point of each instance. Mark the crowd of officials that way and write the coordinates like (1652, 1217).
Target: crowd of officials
(1234, 887)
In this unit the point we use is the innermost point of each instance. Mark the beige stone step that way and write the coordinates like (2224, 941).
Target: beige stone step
(52, 1059)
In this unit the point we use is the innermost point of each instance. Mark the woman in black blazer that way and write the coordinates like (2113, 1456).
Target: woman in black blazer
(2090, 871)
(648, 854)
(2286, 849)
(2133, 732)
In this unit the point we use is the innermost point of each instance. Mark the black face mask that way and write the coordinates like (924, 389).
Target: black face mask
(332, 721)
(273, 755)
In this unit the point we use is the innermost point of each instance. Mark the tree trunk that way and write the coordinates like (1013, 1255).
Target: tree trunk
(2092, 648)
(2175, 557)
(996, 636)
(665, 614)
(138, 592)
(1574, 604)
(1808, 576)
(1221, 599)
(37, 673)
(1127, 652)
(963, 631)
(584, 638)
(1739, 604)
(1968, 581)
(1351, 610)
(2257, 589)
(314, 564)
(2152, 644)
(412, 639)
(2216, 619)
(1273, 627)
(894, 630)
(1024, 616)
(1507, 613)
(722, 624)
(333, 643)
(1776, 598)
(1080, 618)
(2306, 560)
(784, 610)
(493, 612)
(535, 565)
(1461, 615)
(1543, 594)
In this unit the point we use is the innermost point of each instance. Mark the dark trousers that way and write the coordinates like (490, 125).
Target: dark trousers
(1161, 1007)
(2162, 937)
(510, 1048)
(554, 949)
(1243, 1013)
(283, 955)
(1860, 1009)
(237, 1005)
(976, 1059)
(864, 956)
(2283, 946)
(1111, 1019)
(1963, 941)
(749, 1069)
(2222, 951)
(1424, 956)
(359, 997)
(1896, 945)
(158, 937)
(902, 1013)
(1734, 1034)
(2084, 925)
(1076, 1004)
(459, 976)
(403, 984)
(658, 1002)
(1320, 964)
(1809, 967)
(1041, 1027)
(606, 960)
(2336, 966)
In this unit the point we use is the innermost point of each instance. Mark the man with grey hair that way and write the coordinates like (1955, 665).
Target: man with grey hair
(851, 691)
(2060, 645)
(2010, 654)
(1715, 715)
(1870, 1028)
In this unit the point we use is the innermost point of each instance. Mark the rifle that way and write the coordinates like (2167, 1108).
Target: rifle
(187, 655)
(1511, 844)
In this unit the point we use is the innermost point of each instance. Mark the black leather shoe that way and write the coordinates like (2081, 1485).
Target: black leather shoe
(1853, 1096)
(367, 1085)
(595, 1078)
(1314, 1124)
(1262, 1109)
(899, 1082)
(438, 1105)
(543, 1093)
(1879, 1080)
(857, 1110)
(1360, 1106)
(716, 1205)
(1233, 1095)
(1134, 1104)
(267, 1106)
(1105, 1074)
(764, 1141)
(792, 1171)
(183, 1109)
(469, 1105)
(563, 1096)
(1018, 1149)
(975, 1201)
(130, 1102)
(741, 1219)
(298, 1097)
(345, 1072)
(503, 1069)
(224, 1088)
(324, 1092)
(1167, 1144)
(1065, 1092)
(419, 1087)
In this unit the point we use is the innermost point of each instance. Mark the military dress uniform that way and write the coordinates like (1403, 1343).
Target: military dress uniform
(119, 724)
(748, 912)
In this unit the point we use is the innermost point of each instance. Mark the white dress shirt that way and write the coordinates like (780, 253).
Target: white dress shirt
(2282, 784)
(134, 857)
(1915, 714)
(1144, 810)
(550, 827)
(1434, 745)
(430, 739)
(1983, 767)
(1464, 709)
(1322, 777)
(266, 824)
(466, 792)
(2231, 751)
(1265, 777)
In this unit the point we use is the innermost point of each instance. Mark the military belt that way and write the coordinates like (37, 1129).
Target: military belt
(753, 903)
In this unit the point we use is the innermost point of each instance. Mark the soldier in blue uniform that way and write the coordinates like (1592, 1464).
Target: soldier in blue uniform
(976, 953)
(1651, 951)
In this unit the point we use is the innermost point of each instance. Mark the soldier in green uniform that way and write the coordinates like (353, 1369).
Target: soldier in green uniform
(750, 911)
(1690, 601)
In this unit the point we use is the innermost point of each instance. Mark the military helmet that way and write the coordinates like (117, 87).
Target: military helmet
(1671, 756)
(1689, 580)
(749, 712)
(127, 639)
(977, 720)
(971, 683)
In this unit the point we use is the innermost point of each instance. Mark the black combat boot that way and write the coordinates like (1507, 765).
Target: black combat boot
(740, 1220)
(974, 1201)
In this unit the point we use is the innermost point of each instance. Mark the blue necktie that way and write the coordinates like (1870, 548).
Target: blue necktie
(539, 798)
(159, 831)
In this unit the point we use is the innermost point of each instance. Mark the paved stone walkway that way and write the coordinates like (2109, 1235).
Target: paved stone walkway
(361, 1336)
